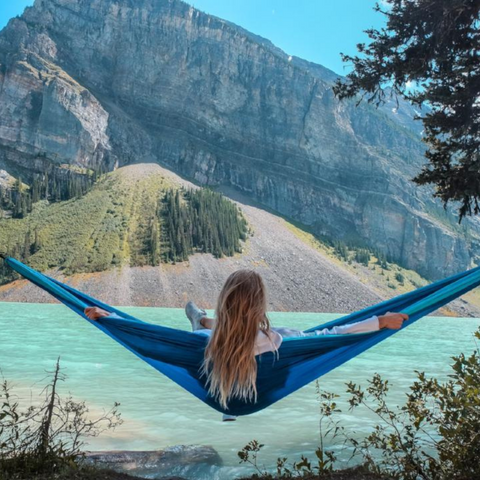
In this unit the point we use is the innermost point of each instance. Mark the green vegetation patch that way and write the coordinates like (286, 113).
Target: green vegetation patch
(123, 219)
(200, 221)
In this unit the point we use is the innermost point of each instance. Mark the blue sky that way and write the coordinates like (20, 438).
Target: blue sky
(317, 30)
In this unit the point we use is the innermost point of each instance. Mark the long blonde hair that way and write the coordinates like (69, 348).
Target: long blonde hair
(230, 363)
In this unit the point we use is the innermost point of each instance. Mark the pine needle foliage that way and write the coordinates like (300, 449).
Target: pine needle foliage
(200, 221)
(434, 47)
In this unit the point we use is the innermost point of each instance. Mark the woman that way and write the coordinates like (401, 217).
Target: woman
(241, 330)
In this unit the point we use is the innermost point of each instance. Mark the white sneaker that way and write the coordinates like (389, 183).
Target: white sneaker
(195, 316)
(228, 418)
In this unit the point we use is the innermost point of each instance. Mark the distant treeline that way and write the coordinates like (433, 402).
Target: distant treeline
(191, 221)
(361, 255)
(200, 221)
(182, 222)
(23, 251)
(54, 185)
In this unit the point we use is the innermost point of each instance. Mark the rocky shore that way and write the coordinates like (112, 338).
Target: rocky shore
(158, 464)
(187, 459)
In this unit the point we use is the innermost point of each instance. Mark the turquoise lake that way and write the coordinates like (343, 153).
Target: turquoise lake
(157, 413)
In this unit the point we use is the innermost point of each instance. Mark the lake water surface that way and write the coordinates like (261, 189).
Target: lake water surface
(157, 413)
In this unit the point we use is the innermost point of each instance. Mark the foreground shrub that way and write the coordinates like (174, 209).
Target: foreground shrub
(46, 438)
(435, 435)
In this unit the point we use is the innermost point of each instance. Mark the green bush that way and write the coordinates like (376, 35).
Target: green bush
(341, 250)
(433, 436)
(48, 437)
(362, 256)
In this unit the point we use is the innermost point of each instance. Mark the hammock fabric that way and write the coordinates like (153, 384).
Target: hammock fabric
(178, 354)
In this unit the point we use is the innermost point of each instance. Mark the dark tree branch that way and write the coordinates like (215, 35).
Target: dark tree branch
(436, 45)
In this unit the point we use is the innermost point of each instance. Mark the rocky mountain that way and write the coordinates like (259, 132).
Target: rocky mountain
(115, 82)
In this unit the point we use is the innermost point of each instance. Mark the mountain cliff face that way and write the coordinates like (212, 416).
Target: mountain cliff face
(113, 82)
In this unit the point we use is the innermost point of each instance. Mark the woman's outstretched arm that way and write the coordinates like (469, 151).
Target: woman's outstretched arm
(94, 313)
(390, 320)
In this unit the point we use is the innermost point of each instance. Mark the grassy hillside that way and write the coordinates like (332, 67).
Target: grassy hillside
(116, 223)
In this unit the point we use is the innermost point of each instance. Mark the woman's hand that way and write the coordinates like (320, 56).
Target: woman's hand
(393, 321)
(94, 313)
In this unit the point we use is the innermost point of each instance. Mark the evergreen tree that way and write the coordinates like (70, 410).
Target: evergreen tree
(37, 242)
(27, 245)
(35, 189)
(53, 185)
(46, 189)
(362, 255)
(341, 250)
(200, 220)
(434, 44)
(155, 242)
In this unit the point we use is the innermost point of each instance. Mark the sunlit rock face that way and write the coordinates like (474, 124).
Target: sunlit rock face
(193, 461)
(87, 82)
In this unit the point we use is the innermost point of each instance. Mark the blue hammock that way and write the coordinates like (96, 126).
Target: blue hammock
(178, 354)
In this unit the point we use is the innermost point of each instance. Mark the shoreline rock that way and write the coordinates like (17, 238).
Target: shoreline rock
(164, 464)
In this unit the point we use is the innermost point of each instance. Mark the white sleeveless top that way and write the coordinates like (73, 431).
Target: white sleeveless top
(264, 342)
(271, 341)
(267, 342)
